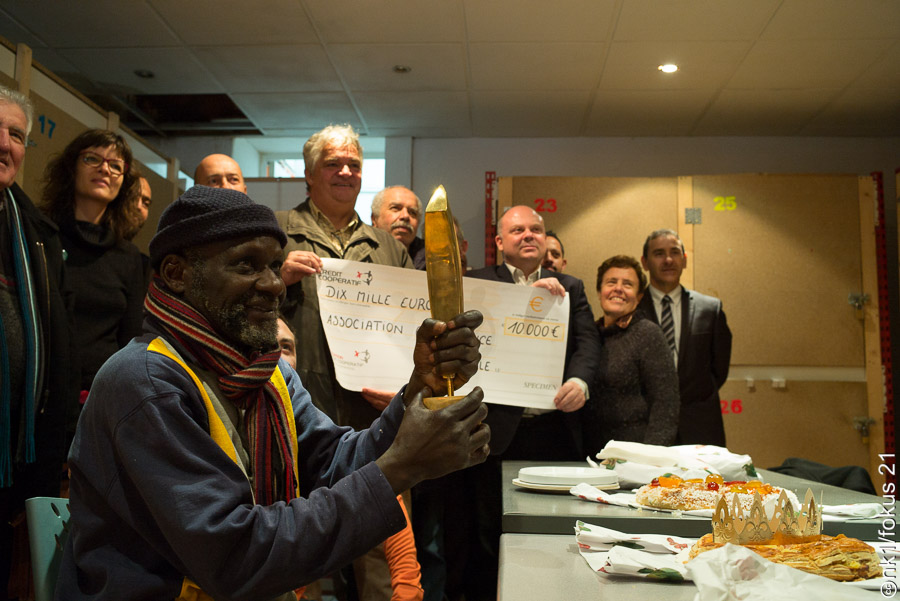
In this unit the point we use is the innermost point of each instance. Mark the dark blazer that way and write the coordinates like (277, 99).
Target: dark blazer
(704, 354)
(582, 352)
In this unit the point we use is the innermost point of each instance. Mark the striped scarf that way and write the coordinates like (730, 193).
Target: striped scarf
(31, 327)
(245, 382)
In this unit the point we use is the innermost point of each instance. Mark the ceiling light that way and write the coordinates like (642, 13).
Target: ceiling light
(144, 73)
(402, 69)
(668, 68)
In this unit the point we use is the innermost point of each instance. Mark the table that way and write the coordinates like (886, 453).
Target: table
(548, 567)
(535, 512)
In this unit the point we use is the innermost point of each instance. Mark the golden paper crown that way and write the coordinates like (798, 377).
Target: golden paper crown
(785, 524)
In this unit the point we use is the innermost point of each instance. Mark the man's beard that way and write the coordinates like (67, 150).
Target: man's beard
(231, 322)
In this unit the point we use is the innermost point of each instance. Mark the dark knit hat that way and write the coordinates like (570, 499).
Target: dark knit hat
(203, 215)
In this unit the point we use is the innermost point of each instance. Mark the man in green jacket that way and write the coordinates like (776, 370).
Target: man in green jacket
(326, 224)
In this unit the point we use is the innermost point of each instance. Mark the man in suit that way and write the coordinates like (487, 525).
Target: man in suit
(695, 326)
(472, 533)
(543, 435)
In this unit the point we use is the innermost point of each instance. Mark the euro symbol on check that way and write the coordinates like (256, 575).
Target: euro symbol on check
(535, 303)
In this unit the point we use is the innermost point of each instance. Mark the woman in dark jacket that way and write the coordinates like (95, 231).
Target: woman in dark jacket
(635, 394)
(90, 192)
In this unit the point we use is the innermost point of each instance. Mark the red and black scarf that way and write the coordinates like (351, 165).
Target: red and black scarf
(245, 381)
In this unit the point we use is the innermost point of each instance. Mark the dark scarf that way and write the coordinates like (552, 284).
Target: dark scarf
(245, 382)
(31, 327)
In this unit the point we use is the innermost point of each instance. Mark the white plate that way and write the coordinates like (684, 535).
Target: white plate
(561, 476)
(555, 487)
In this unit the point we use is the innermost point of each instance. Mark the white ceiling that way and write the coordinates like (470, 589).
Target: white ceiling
(497, 68)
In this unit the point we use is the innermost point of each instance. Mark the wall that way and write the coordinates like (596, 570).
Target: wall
(459, 164)
(247, 157)
(191, 150)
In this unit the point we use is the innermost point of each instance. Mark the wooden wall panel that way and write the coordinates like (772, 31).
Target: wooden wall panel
(53, 129)
(813, 420)
(784, 261)
(599, 217)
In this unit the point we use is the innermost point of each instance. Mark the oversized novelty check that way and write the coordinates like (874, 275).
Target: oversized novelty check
(371, 312)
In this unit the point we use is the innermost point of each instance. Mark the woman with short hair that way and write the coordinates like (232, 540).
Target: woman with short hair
(635, 394)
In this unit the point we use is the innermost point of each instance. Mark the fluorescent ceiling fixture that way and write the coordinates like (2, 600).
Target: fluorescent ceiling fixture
(669, 68)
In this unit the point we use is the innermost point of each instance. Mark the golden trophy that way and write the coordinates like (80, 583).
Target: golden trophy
(443, 268)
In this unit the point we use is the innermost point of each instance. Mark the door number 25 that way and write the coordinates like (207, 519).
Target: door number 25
(725, 203)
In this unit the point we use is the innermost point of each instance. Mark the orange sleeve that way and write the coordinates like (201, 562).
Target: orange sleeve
(400, 551)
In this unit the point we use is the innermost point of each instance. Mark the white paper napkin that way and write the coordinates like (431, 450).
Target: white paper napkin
(733, 572)
(597, 538)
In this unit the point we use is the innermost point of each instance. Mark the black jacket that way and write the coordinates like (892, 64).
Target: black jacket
(704, 354)
(58, 388)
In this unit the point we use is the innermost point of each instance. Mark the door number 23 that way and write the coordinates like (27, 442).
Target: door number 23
(542, 205)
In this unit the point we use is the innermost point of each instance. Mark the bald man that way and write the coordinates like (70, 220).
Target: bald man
(536, 434)
(220, 171)
(473, 522)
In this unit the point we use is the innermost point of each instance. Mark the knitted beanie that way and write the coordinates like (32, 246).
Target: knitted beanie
(203, 215)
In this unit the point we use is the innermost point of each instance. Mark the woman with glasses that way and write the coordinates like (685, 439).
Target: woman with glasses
(90, 192)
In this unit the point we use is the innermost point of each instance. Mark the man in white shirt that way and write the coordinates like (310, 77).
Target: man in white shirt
(543, 435)
(698, 334)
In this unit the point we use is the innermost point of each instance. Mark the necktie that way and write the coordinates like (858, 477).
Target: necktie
(667, 323)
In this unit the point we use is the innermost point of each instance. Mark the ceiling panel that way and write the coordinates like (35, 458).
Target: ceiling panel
(370, 66)
(762, 112)
(657, 20)
(863, 112)
(435, 130)
(16, 33)
(701, 65)
(94, 24)
(647, 112)
(528, 113)
(883, 73)
(834, 20)
(213, 22)
(811, 64)
(393, 110)
(515, 21)
(396, 21)
(58, 64)
(538, 66)
(507, 67)
(270, 68)
(297, 111)
(176, 71)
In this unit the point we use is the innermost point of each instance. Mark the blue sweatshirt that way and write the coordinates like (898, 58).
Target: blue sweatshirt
(156, 502)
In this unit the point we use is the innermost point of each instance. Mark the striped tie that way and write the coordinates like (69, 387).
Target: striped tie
(668, 324)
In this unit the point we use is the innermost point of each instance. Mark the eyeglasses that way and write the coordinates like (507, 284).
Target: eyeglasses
(116, 166)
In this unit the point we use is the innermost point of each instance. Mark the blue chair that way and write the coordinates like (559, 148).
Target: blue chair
(48, 528)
